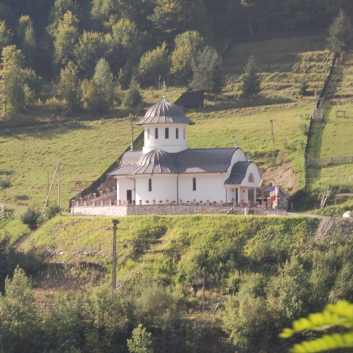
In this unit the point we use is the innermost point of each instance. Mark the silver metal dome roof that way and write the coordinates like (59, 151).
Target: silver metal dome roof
(165, 112)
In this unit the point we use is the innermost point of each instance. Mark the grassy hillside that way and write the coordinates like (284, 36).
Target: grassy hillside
(86, 149)
(259, 274)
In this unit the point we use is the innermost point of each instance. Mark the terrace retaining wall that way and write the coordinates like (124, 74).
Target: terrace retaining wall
(173, 209)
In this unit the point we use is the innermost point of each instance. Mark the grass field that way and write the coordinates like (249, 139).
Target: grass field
(87, 148)
(284, 64)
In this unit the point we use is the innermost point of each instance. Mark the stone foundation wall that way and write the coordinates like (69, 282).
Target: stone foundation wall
(174, 209)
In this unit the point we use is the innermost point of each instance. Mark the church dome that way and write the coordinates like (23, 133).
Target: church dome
(157, 161)
(165, 112)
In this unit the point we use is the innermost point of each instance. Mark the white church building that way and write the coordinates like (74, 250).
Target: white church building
(167, 171)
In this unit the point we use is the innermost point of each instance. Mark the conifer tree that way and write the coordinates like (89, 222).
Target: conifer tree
(206, 69)
(5, 35)
(99, 92)
(251, 81)
(133, 96)
(69, 87)
(341, 34)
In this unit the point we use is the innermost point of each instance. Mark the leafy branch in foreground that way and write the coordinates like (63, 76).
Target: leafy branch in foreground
(338, 315)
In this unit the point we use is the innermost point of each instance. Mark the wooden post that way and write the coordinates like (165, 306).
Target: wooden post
(115, 223)
(203, 291)
(59, 184)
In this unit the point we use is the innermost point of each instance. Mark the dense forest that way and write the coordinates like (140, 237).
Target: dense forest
(88, 49)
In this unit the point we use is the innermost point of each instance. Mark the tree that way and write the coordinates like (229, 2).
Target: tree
(69, 87)
(153, 64)
(206, 69)
(186, 46)
(5, 184)
(5, 35)
(57, 13)
(89, 49)
(19, 314)
(25, 34)
(251, 81)
(339, 315)
(341, 34)
(99, 92)
(11, 83)
(66, 36)
(141, 341)
(30, 218)
(133, 96)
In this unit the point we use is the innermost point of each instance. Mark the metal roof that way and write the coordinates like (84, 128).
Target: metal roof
(215, 160)
(238, 172)
(165, 112)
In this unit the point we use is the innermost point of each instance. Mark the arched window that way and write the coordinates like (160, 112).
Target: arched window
(166, 133)
(251, 178)
(176, 133)
(193, 184)
(149, 184)
(148, 134)
(156, 133)
(184, 134)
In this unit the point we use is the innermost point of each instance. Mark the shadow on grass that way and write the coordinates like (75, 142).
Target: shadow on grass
(225, 104)
(47, 131)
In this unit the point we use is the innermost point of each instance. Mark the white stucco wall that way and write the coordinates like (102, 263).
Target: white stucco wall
(238, 156)
(164, 187)
(252, 168)
(208, 187)
(172, 144)
(124, 184)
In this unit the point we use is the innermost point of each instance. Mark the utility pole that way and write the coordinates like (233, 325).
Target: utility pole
(132, 132)
(115, 223)
(59, 183)
(273, 135)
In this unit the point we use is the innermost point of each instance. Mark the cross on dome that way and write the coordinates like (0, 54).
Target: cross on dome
(165, 90)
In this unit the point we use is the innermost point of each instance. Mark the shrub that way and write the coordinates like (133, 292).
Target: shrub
(30, 218)
(52, 211)
(133, 96)
(303, 88)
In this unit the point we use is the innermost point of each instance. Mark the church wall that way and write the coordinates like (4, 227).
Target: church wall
(252, 168)
(123, 185)
(208, 187)
(164, 187)
(172, 144)
(238, 156)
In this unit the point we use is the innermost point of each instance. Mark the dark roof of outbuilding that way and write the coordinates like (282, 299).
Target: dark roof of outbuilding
(238, 172)
(215, 160)
(165, 112)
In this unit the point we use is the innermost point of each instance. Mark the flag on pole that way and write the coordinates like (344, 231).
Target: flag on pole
(273, 193)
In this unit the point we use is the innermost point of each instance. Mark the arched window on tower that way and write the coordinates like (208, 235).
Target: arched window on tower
(193, 184)
(149, 184)
(156, 133)
(167, 133)
(184, 134)
(251, 178)
(176, 133)
(148, 134)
